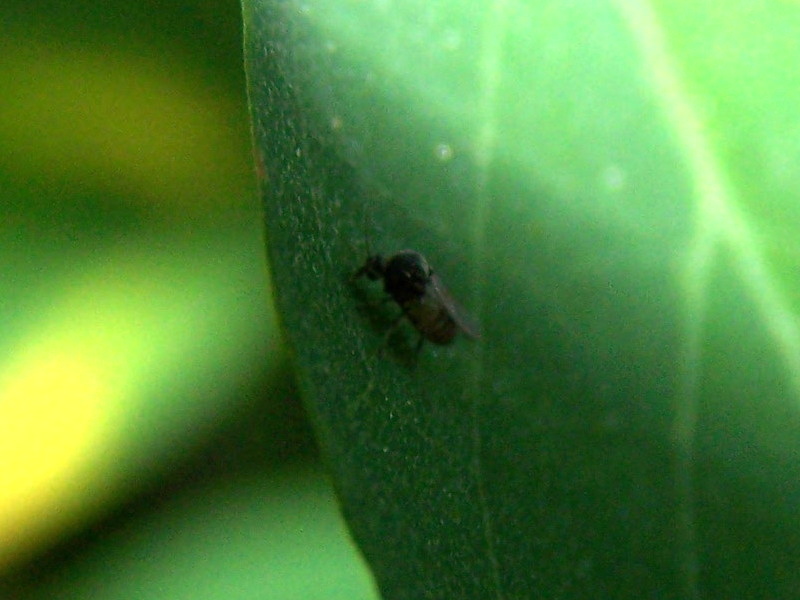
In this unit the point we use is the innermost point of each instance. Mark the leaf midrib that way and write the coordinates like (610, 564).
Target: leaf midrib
(718, 222)
(490, 78)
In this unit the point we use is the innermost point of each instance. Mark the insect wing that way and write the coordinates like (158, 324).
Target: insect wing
(458, 314)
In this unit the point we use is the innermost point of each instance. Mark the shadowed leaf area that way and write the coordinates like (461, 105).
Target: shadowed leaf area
(626, 427)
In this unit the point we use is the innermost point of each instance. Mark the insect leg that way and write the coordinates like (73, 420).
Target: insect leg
(393, 327)
(419, 346)
(379, 304)
(389, 332)
(360, 273)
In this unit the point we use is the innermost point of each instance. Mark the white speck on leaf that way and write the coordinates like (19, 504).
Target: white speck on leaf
(443, 152)
(614, 178)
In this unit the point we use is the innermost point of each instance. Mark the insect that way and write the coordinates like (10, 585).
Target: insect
(410, 281)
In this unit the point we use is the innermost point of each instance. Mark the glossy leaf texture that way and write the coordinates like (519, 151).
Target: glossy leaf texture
(610, 189)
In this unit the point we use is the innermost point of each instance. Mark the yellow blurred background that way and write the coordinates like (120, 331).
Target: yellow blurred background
(142, 376)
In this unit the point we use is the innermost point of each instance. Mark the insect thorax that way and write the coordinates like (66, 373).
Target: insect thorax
(406, 276)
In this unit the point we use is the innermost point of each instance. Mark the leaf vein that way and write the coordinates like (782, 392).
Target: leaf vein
(489, 74)
(718, 221)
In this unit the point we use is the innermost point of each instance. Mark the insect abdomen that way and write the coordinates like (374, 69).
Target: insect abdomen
(434, 323)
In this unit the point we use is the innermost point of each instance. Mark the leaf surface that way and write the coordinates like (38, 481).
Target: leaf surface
(608, 188)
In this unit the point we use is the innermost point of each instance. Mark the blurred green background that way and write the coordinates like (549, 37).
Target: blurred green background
(152, 444)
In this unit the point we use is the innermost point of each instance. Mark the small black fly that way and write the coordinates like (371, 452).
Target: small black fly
(410, 281)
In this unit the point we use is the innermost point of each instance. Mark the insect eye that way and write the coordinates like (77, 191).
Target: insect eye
(410, 275)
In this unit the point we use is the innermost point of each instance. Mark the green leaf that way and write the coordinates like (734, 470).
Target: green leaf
(251, 536)
(609, 188)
